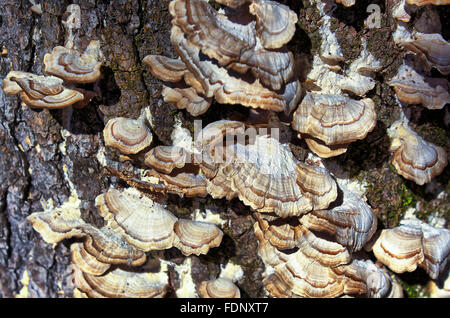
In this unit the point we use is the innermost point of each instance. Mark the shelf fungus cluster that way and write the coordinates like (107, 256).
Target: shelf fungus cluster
(263, 174)
(318, 254)
(66, 68)
(414, 243)
(308, 228)
(239, 58)
(414, 158)
(105, 259)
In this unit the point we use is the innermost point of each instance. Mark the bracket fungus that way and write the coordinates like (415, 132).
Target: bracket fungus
(120, 283)
(330, 122)
(40, 91)
(249, 65)
(72, 66)
(414, 243)
(411, 87)
(129, 136)
(414, 158)
(431, 49)
(66, 67)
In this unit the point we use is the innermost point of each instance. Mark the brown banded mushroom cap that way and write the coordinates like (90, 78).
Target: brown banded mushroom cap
(275, 23)
(196, 237)
(85, 261)
(232, 44)
(431, 49)
(40, 91)
(281, 233)
(73, 66)
(352, 222)
(57, 224)
(129, 136)
(186, 98)
(334, 119)
(143, 223)
(166, 158)
(218, 288)
(414, 158)
(414, 243)
(120, 284)
(414, 88)
(165, 68)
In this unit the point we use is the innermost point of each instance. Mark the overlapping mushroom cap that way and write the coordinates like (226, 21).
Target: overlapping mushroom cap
(234, 62)
(120, 283)
(414, 158)
(427, 2)
(330, 122)
(414, 243)
(72, 66)
(431, 49)
(40, 91)
(413, 88)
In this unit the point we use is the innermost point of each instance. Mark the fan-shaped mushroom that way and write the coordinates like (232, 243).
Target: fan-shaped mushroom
(335, 120)
(129, 136)
(352, 222)
(166, 158)
(414, 88)
(143, 223)
(72, 66)
(121, 284)
(40, 91)
(431, 49)
(275, 23)
(219, 288)
(414, 158)
(414, 243)
(196, 237)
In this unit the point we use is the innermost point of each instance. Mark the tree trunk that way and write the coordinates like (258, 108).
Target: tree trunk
(47, 156)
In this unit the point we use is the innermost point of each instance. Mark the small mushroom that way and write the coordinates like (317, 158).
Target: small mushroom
(186, 98)
(142, 222)
(166, 158)
(414, 243)
(196, 237)
(414, 158)
(413, 88)
(73, 66)
(40, 91)
(219, 288)
(129, 136)
(166, 69)
(334, 120)
(119, 283)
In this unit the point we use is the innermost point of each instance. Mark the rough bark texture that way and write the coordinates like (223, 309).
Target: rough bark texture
(39, 162)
